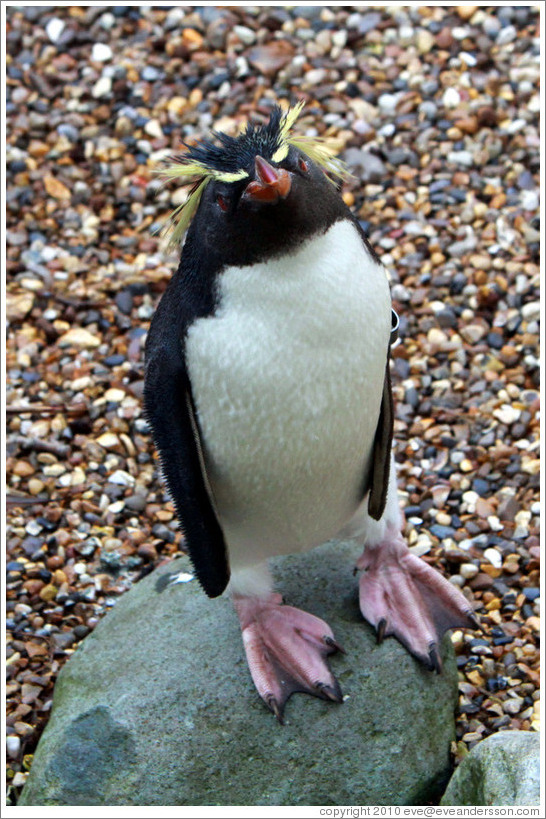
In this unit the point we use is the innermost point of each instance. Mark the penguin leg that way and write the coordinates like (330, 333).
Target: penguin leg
(286, 650)
(399, 593)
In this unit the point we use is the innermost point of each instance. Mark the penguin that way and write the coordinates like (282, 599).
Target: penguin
(268, 395)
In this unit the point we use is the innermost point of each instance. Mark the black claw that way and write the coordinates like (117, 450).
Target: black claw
(277, 710)
(331, 643)
(330, 693)
(474, 620)
(381, 629)
(435, 664)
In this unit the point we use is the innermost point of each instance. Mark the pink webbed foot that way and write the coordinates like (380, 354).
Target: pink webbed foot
(286, 650)
(403, 596)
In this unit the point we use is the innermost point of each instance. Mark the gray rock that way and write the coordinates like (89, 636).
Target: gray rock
(503, 769)
(156, 707)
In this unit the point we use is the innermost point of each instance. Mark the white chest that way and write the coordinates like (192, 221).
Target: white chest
(287, 379)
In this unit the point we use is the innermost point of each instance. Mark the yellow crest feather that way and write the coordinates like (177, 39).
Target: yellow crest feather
(321, 152)
(179, 219)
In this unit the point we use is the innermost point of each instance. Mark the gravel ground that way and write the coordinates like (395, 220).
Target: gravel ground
(436, 112)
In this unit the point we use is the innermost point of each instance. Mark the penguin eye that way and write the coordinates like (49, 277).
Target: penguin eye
(302, 165)
(221, 201)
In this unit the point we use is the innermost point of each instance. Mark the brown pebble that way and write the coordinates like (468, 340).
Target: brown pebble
(509, 355)
(33, 586)
(270, 58)
(23, 469)
(468, 125)
(147, 551)
(487, 117)
(23, 729)
(444, 39)
(481, 581)
(54, 562)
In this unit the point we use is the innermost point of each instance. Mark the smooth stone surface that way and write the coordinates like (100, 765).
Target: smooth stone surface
(503, 769)
(157, 707)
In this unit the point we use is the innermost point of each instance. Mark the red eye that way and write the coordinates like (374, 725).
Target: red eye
(222, 202)
(302, 165)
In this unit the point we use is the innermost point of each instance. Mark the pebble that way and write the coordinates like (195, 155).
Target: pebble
(246, 35)
(451, 98)
(102, 87)
(54, 28)
(78, 337)
(101, 52)
(463, 157)
(425, 41)
(531, 311)
(468, 570)
(494, 557)
(13, 746)
(122, 478)
(507, 414)
(506, 35)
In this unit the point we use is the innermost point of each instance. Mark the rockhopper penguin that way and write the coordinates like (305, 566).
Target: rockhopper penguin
(268, 394)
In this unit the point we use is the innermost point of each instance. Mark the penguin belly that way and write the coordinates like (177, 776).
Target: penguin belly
(287, 377)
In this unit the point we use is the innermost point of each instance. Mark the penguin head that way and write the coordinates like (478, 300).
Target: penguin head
(256, 195)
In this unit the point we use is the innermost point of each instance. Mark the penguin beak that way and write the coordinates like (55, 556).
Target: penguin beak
(270, 185)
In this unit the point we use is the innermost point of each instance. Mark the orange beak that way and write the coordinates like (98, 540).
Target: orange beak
(271, 183)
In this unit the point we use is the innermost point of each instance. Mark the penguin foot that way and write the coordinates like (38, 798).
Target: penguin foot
(286, 651)
(403, 596)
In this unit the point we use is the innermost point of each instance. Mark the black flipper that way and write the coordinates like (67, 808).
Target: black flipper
(381, 455)
(170, 412)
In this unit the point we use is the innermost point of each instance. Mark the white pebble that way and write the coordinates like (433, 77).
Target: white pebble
(102, 87)
(469, 59)
(507, 414)
(506, 35)
(54, 29)
(494, 557)
(121, 478)
(245, 34)
(101, 52)
(516, 125)
(468, 570)
(531, 311)
(461, 158)
(49, 253)
(153, 128)
(459, 32)
(107, 21)
(451, 98)
(339, 38)
(33, 528)
(13, 746)
(388, 102)
(494, 523)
